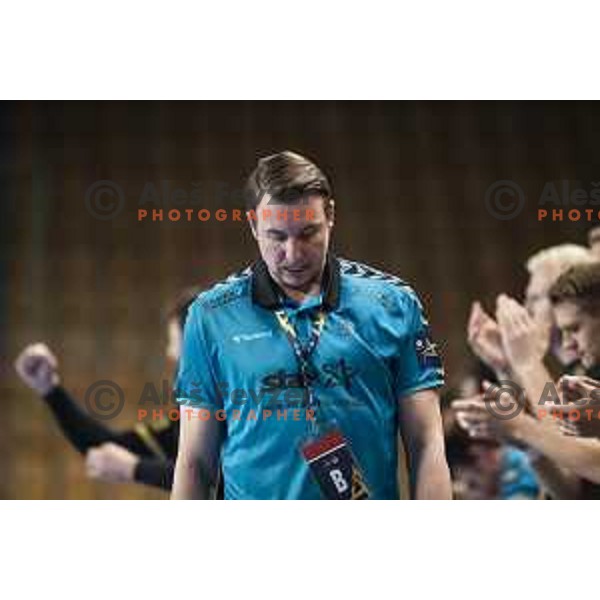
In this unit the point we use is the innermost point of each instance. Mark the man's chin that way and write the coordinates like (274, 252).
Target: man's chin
(566, 357)
(300, 284)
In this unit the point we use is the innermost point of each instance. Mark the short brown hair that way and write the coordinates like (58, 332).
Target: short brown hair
(580, 285)
(286, 177)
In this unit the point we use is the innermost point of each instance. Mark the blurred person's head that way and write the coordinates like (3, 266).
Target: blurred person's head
(544, 268)
(594, 242)
(176, 316)
(294, 247)
(575, 298)
(474, 464)
(475, 468)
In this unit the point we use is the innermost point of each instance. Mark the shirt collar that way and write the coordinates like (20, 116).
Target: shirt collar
(266, 293)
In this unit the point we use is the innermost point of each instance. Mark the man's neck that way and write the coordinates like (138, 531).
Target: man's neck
(301, 295)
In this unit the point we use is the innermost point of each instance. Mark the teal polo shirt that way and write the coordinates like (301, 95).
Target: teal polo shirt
(237, 363)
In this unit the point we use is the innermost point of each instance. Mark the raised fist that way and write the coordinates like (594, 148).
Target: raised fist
(38, 368)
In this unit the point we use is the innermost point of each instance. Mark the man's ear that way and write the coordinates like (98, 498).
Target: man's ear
(331, 212)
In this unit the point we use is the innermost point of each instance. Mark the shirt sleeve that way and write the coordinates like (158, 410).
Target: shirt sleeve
(84, 431)
(418, 365)
(155, 471)
(195, 386)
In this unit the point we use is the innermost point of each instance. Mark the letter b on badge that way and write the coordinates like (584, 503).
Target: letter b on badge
(334, 468)
(341, 485)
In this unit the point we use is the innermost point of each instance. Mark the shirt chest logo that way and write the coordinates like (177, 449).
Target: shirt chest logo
(329, 375)
(251, 337)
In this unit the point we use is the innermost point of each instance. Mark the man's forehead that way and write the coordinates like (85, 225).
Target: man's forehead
(290, 217)
(566, 312)
(291, 225)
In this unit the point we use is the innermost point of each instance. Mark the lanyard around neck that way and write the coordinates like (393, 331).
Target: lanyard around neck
(303, 352)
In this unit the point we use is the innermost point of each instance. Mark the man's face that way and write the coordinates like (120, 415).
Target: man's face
(580, 332)
(295, 247)
(539, 307)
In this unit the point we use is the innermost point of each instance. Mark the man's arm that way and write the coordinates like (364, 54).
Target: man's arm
(579, 455)
(525, 344)
(197, 463)
(37, 367)
(85, 432)
(558, 481)
(423, 437)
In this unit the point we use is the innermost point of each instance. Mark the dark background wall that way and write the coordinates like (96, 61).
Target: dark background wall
(410, 180)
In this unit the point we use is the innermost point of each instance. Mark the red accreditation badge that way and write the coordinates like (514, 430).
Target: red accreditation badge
(333, 466)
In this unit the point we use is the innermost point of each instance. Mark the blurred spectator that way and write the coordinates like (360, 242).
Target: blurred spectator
(484, 468)
(143, 454)
(544, 268)
(575, 298)
(515, 343)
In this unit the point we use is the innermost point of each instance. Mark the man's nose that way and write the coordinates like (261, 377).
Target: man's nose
(569, 343)
(293, 250)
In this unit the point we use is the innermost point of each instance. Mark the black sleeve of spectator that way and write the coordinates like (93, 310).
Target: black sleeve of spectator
(80, 428)
(167, 436)
(83, 430)
(156, 472)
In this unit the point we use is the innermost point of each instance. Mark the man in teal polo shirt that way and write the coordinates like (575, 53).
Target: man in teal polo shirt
(297, 373)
